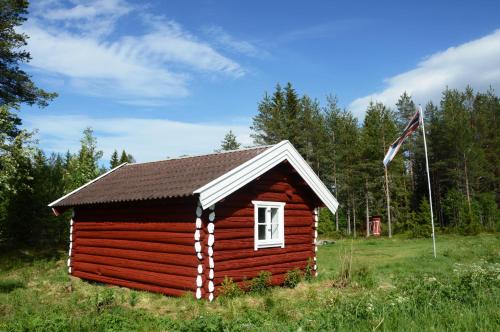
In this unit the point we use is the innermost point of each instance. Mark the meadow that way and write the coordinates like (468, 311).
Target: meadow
(363, 285)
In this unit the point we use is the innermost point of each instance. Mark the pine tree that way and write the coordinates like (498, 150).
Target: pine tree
(114, 162)
(229, 142)
(126, 158)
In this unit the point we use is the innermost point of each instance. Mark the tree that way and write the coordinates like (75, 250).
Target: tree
(126, 158)
(84, 166)
(16, 86)
(229, 142)
(113, 162)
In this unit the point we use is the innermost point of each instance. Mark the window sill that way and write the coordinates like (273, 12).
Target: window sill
(263, 245)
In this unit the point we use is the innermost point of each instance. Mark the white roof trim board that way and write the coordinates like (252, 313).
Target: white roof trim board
(86, 184)
(233, 180)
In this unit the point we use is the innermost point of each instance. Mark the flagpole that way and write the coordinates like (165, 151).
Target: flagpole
(428, 181)
(388, 199)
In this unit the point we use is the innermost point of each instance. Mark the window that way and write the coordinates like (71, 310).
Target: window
(269, 224)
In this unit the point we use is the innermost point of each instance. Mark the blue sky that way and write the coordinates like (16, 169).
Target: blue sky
(165, 78)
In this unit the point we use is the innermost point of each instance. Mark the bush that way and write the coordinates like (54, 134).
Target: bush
(229, 289)
(262, 283)
(292, 278)
(308, 271)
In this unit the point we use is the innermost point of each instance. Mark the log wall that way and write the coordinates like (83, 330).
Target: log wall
(146, 245)
(234, 254)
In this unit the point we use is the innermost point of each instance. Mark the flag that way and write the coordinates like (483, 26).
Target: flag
(410, 128)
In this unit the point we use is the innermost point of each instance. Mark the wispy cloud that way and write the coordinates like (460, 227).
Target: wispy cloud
(71, 41)
(322, 30)
(146, 139)
(224, 40)
(476, 63)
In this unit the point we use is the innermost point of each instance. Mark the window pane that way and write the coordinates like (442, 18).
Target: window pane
(274, 231)
(274, 215)
(262, 232)
(261, 215)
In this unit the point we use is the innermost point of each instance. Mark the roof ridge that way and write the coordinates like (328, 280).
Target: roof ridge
(203, 155)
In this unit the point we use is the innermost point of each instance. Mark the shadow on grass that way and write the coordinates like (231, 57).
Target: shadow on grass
(7, 286)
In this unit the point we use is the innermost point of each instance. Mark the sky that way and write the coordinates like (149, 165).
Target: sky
(167, 78)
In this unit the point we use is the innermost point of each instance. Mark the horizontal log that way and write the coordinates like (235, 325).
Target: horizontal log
(246, 274)
(136, 218)
(166, 258)
(221, 245)
(181, 227)
(153, 278)
(298, 213)
(298, 230)
(165, 237)
(250, 262)
(226, 255)
(135, 245)
(187, 271)
(132, 284)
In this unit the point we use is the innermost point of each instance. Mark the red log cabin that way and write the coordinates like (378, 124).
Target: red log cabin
(183, 225)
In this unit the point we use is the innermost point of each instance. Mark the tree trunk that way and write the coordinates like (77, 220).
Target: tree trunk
(354, 216)
(467, 190)
(367, 215)
(348, 221)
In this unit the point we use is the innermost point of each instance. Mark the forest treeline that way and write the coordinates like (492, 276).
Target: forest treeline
(463, 136)
(463, 142)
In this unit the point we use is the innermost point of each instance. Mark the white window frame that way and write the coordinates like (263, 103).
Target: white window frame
(280, 241)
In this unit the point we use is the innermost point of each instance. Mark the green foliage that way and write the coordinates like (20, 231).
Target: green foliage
(229, 289)
(114, 161)
(261, 283)
(229, 142)
(421, 226)
(84, 166)
(309, 271)
(126, 158)
(16, 86)
(395, 285)
(292, 278)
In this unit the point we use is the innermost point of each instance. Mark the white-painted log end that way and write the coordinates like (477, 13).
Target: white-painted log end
(197, 235)
(198, 293)
(199, 255)
(211, 239)
(211, 274)
(211, 286)
(211, 263)
(212, 207)
(211, 228)
(199, 281)
(71, 222)
(200, 268)
(198, 223)
(210, 251)
(69, 262)
(199, 211)
(211, 216)
(69, 270)
(197, 247)
(211, 297)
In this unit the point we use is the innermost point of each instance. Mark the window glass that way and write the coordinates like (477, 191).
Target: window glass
(262, 231)
(262, 216)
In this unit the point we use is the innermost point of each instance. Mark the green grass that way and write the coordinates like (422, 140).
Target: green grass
(363, 285)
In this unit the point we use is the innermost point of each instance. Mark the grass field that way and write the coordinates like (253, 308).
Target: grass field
(376, 284)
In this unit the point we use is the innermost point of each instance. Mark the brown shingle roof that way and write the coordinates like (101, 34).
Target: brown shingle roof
(159, 179)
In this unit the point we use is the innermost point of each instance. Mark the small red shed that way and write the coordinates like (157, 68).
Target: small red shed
(182, 225)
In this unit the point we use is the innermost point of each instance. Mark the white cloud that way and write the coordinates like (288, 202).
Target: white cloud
(150, 67)
(476, 63)
(146, 139)
(226, 41)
